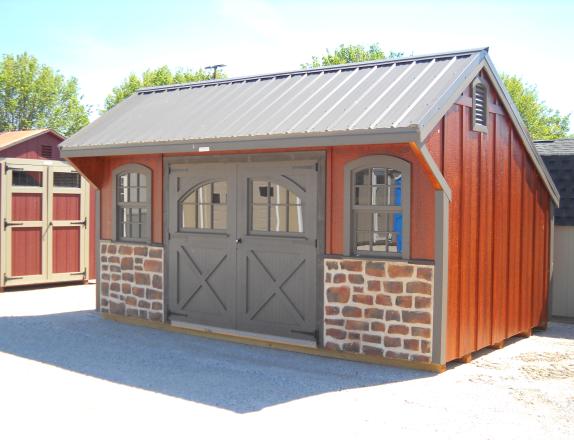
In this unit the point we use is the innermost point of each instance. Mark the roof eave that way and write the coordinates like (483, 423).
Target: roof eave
(508, 104)
(296, 140)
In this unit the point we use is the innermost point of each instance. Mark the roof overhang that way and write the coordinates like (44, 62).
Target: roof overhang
(31, 136)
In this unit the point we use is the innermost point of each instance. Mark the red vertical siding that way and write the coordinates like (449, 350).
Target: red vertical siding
(66, 207)
(498, 233)
(32, 149)
(26, 251)
(66, 249)
(26, 207)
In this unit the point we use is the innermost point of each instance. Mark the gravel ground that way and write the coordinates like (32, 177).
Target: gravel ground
(67, 373)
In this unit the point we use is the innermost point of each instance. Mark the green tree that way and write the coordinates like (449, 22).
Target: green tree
(161, 76)
(542, 121)
(351, 53)
(33, 95)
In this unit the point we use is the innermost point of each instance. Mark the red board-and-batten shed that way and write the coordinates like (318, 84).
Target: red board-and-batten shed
(390, 210)
(45, 212)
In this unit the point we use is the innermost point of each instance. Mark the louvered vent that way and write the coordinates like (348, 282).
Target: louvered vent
(479, 106)
(46, 151)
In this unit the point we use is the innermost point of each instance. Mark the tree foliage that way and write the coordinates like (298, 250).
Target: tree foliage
(542, 122)
(161, 76)
(33, 95)
(350, 53)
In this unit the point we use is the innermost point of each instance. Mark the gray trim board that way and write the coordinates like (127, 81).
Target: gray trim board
(551, 264)
(440, 291)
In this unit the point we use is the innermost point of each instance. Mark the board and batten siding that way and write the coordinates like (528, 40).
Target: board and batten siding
(499, 229)
(563, 275)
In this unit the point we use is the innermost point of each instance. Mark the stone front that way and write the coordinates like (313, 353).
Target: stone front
(131, 280)
(381, 308)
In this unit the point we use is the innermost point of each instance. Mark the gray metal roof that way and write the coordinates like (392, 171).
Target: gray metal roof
(557, 147)
(389, 95)
(398, 100)
(558, 155)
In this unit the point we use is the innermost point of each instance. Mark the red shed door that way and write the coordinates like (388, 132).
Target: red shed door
(44, 224)
(25, 224)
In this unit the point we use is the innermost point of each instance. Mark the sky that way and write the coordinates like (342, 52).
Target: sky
(102, 42)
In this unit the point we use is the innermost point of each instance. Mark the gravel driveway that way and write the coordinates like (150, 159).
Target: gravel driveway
(66, 371)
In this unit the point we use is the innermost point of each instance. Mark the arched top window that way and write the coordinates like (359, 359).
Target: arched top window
(479, 105)
(205, 207)
(132, 199)
(378, 206)
(275, 208)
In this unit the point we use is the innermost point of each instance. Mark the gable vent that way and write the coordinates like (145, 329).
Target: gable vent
(46, 152)
(479, 105)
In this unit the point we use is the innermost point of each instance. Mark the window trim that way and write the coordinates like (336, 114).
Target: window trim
(475, 125)
(374, 161)
(131, 168)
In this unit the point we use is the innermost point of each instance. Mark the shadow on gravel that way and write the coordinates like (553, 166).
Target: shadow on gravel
(231, 376)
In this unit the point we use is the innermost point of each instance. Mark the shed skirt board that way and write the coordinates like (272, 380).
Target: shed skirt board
(225, 274)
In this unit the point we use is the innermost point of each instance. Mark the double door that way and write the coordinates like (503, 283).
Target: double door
(44, 223)
(243, 247)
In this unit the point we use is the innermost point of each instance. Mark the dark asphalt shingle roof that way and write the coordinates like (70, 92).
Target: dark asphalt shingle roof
(558, 156)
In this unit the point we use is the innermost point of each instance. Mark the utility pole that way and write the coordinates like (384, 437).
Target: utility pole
(214, 67)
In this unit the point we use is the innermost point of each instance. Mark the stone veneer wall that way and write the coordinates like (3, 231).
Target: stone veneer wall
(131, 280)
(381, 308)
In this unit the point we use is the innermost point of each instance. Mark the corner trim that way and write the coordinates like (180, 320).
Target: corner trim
(440, 291)
(98, 248)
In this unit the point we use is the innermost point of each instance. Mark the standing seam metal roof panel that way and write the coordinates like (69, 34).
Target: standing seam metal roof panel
(384, 94)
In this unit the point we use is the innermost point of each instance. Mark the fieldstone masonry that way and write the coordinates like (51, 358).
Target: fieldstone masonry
(381, 308)
(131, 280)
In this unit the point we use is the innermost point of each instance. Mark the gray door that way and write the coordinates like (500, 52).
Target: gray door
(202, 248)
(242, 246)
(277, 254)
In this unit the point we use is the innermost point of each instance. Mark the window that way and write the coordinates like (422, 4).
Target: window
(275, 208)
(67, 180)
(378, 206)
(205, 207)
(132, 199)
(26, 178)
(479, 106)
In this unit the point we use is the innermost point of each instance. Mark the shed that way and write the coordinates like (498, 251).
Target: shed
(558, 155)
(388, 211)
(46, 214)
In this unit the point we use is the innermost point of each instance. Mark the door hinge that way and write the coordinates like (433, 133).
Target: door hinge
(314, 333)
(7, 223)
(9, 168)
(83, 273)
(316, 243)
(7, 278)
(83, 222)
(316, 166)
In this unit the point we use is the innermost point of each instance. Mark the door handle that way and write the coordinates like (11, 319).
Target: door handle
(239, 240)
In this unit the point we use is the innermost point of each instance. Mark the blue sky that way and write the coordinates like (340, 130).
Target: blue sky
(101, 42)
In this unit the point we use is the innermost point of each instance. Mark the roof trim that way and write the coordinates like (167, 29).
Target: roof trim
(353, 137)
(30, 137)
(349, 66)
(522, 130)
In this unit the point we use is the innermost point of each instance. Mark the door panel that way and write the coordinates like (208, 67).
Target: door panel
(202, 245)
(277, 266)
(66, 249)
(26, 207)
(66, 207)
(26, 252)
